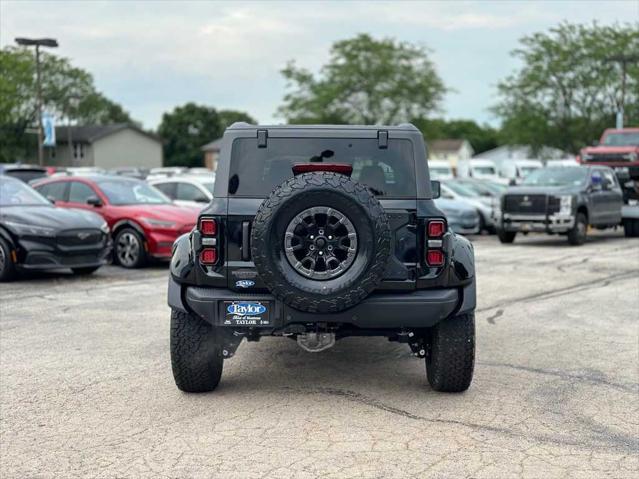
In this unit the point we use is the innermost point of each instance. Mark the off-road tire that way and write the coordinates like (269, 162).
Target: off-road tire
(578, 233)
(352, 199)
(196, 355)
(631, 227)
(85, 271)
(7, 267)
(450, 358)
(506, 237)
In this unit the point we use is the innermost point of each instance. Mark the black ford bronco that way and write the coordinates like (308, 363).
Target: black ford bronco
(317, 233)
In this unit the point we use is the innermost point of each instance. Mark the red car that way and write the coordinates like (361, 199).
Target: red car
(144, 223)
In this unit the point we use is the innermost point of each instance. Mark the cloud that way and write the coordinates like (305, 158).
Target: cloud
(151, 56)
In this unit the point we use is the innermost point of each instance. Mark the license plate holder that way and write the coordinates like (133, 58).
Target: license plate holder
(253, 314)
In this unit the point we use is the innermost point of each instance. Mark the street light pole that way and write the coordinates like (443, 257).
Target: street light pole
(623, 60)
(38, 42)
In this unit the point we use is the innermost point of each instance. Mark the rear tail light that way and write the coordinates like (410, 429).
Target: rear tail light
(435, 257)
(208, 226)
(208, 256)
(436, 229)
(341, 168)
(434, 254)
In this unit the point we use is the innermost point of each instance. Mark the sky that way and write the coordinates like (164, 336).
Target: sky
(151, 56)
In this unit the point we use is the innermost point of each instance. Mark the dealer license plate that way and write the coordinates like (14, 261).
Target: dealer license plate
(246, 313)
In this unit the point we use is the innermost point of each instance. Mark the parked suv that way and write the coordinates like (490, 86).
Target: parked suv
(561, 200)
(318, 233)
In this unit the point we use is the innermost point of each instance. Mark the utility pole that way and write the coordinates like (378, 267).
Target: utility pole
(624, 60)
(37, 43)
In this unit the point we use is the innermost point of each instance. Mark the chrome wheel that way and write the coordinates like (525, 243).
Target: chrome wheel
(320, 243)
(128, 249)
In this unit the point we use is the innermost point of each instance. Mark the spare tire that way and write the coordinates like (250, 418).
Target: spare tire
(320, 242)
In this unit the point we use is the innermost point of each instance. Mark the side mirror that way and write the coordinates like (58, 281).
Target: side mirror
(436, 188)
(512, 182)
(51, 199)
(202, 199)
(94, 201)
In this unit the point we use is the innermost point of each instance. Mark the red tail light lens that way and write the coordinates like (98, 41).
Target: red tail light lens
(208, 256)
(436, 229)
(435, 257)
(208, 226)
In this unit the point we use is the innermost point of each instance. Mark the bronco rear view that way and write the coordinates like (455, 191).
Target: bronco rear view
(317, 233)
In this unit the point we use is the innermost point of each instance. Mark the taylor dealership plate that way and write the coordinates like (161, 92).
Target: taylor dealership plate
(246, 313)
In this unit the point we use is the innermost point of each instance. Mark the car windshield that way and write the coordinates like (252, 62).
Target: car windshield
(461, 190)
(439, 171)
(388, 172)
(131, 192)
(16, 193)
(484, 170)
(556, 177)
(208, 186)
(622, 139)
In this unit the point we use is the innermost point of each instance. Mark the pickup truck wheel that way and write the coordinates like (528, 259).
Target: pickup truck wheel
(577, 235)
(320, 242)
(450, 359)
(506, 237)
(7, 268)
(631, 228)
(196, 355)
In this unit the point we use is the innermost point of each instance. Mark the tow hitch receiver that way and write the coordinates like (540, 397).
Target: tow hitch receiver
(316, 342)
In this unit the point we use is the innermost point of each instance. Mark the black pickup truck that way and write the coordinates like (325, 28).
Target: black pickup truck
(317, 233)
(561, 200)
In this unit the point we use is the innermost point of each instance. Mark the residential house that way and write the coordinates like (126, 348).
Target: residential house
(212, 153)
(450, 150)
(105, 146)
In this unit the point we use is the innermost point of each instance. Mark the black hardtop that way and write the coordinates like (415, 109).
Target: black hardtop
(404, 131)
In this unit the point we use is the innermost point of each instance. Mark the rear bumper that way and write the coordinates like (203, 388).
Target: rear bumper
(418, 309)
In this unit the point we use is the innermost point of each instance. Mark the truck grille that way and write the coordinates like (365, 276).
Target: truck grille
(532, 204)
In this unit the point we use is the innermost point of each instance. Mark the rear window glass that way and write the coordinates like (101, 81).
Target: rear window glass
(388, 172)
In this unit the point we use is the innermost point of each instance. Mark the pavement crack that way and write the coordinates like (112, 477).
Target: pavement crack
(492, 317)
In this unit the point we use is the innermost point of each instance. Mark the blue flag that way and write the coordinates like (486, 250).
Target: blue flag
(48, 126)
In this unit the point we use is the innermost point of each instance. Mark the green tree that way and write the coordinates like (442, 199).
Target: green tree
(185, 130)
(366, 81)
(67, 91)
(569, 88)
(228, 117)
(481, 138)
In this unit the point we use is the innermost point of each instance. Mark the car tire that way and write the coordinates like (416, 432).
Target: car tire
(85, 271)
(450, 358)
(128, 248)
(341, 211)
(579, 232)
(7, 266)
(196, 355)
(506, 237)
(631, 228)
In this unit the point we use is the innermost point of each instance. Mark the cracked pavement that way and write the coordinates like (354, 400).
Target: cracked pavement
(86, 387)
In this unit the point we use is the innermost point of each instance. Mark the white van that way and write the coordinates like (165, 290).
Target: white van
(478, 169)
(440, 170)
(517, 170)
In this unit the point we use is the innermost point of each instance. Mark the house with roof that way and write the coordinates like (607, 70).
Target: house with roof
(212, 153)
(105, 146)
(450, 150)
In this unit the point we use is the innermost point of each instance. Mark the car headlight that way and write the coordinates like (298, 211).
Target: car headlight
(565, 207)
(22, 229)
(630, 157)
(104, 227)
(152, 222)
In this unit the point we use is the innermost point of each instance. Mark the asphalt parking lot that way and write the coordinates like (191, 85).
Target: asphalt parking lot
(86, 387)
